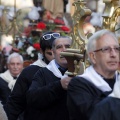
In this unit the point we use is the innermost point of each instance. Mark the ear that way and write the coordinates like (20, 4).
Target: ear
(92, 57)
(53, 49)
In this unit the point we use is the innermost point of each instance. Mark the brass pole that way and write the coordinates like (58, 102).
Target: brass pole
(14, 22)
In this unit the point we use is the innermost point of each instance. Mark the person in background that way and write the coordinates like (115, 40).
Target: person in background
(2, 61)
(54, 6)
(9, 77)
(47, 93)
(87, 90)
(16, 103)
(65, 3)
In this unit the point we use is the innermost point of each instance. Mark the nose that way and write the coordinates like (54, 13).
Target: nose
(64, 48)
(15, 66)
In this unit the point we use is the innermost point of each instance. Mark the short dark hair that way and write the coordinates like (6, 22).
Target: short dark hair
(46, 44)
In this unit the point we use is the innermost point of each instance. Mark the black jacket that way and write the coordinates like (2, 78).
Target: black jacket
(17, 100)
(4, 91)
(108, 109)
(82, 97)
(47, 97)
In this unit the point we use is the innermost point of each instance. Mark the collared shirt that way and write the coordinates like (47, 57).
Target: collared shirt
(62, 70)
(110, 81)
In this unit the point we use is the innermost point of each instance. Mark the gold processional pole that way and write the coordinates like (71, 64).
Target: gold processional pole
(76, 55)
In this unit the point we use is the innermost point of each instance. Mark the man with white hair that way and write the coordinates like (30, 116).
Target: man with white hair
(9, 77)
(17, 98)
(87, 90)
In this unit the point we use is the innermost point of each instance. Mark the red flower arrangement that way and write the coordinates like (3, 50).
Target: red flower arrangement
(64, 28)
(58, 21)
(36, 46)
(41, 25)
(56, 25)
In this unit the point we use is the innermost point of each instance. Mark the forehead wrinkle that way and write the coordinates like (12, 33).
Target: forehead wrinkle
(105, 41)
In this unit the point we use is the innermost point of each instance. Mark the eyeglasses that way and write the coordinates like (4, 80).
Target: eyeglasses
(48, 36)
(108, 49)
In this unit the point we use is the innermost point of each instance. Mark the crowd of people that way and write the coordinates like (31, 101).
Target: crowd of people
(27, 41)
(44, 91)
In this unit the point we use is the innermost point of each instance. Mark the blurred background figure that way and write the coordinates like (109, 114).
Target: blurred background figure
(54, 6)
(2, 61)
(9, 77)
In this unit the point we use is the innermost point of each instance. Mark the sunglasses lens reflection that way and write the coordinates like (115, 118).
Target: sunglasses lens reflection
(48, 36)
(56, 35)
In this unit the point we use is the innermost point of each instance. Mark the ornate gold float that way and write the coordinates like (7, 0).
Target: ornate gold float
(76, 55)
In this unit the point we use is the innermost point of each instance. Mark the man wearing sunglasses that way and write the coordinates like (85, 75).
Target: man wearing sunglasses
(87, 90)
(17, 101)
(47, 93)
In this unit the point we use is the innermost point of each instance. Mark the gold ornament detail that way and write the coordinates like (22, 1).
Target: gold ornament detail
(76, 54)
(111, 14)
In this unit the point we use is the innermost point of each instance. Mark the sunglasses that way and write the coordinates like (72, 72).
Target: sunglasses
(48, 36)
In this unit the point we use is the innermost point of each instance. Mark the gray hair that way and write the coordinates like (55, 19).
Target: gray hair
(13, 55)
(91, 45)
(65, 37)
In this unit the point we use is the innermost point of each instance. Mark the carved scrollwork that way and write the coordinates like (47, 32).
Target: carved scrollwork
(79, 38)
(76, 54)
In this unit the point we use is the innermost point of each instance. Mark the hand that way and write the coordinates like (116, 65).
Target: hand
(65, 81)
